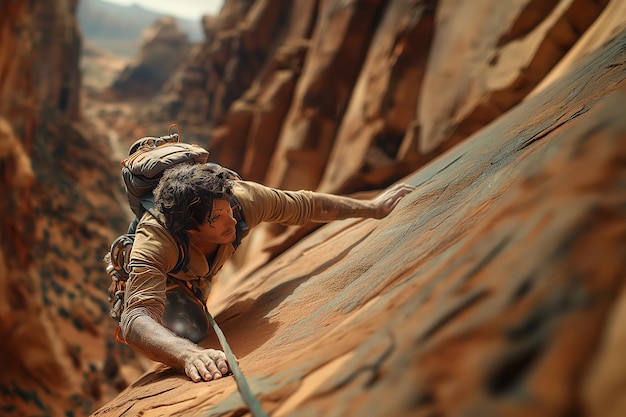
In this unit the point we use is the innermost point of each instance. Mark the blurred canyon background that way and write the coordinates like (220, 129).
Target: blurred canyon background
(495, 289)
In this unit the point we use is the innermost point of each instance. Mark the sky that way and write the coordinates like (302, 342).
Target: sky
(188, 9)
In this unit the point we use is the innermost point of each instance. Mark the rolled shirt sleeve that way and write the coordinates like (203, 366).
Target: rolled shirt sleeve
(154, 253)
(264, 204)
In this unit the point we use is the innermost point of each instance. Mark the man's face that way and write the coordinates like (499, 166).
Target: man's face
(219, 227)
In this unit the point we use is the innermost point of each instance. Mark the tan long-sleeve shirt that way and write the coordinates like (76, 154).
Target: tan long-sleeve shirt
(155, 251)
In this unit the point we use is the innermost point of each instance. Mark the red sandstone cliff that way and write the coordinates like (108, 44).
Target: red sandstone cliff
(494, 289)
(61, 205)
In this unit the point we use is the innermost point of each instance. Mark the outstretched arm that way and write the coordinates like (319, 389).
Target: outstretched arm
(161, 345)
(328, 207)
(143, 331)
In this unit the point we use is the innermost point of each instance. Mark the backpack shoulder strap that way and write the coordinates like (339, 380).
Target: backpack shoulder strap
(241, 228)
(183, 259)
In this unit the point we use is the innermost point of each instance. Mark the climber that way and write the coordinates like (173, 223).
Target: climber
(194, 211)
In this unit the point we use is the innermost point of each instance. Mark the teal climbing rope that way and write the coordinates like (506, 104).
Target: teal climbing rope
(242, 384)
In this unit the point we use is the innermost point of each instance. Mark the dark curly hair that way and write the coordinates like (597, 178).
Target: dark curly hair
(185, 195)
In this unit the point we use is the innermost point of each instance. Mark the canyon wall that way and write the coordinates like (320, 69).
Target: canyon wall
(495, 289)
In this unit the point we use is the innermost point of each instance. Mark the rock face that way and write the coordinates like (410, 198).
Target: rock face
(39, 67)
(495, 289)
(343, 96)
(29, 343)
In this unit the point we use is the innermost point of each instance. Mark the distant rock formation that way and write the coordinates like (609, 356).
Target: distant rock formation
(164, 48)
(118, 28)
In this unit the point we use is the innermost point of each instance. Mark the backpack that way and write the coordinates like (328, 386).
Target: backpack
(148, 159)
